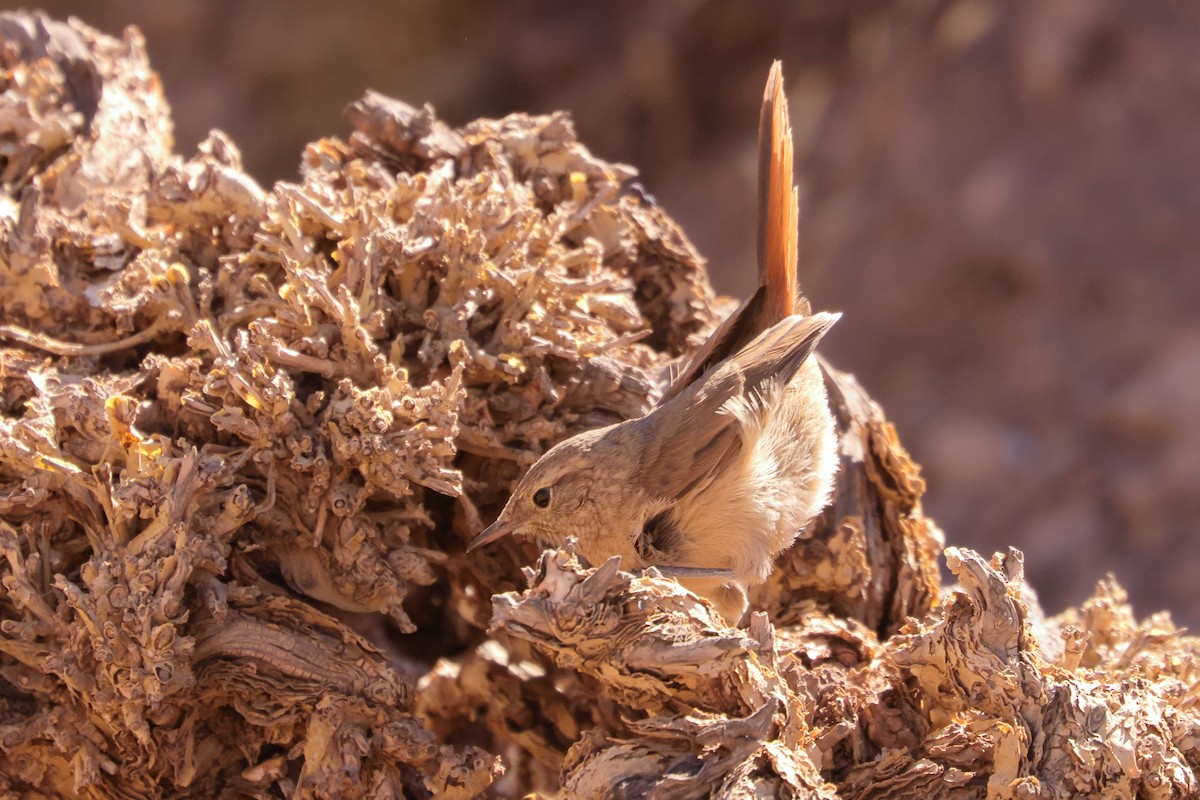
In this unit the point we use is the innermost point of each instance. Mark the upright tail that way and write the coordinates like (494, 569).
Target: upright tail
(777, 296)
(778, 206)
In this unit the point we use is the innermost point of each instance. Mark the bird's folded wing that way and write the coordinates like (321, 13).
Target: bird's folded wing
(778, 353)
(734, 332)
(695, 436)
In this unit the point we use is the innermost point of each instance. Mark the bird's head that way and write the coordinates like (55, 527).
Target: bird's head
(578, 488)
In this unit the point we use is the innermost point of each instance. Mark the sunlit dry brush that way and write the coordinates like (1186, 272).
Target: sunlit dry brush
(245, 435)
(231, 415)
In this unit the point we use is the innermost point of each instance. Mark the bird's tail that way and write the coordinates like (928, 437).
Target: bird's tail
(778, 207)
(777, 296)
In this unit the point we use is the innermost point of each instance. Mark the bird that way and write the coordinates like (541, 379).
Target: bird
(737, 457)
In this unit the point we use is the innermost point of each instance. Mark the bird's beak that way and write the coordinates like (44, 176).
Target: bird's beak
(497, 530)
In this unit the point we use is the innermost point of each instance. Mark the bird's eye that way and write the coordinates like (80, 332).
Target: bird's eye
(541, 498)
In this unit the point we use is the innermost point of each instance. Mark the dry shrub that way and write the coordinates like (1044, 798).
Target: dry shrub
(245, 435)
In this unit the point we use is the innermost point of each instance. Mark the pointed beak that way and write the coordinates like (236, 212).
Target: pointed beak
(497, 530)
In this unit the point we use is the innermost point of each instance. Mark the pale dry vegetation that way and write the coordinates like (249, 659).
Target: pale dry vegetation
(245, 435)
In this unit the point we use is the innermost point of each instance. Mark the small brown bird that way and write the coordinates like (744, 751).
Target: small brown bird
(738, 456)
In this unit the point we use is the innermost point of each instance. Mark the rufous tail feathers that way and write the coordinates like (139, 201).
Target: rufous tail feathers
(778, 204)
(777, 296)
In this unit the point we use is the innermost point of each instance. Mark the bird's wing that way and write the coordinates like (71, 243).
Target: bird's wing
(779, 351)
(737, 329)
(697, 435)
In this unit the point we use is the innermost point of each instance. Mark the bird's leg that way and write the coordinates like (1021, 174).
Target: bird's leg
(671, 571)
(731, 602)
(658, 536)
(727, 596)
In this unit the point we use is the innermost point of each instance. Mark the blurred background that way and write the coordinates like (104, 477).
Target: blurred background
(997, 193)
